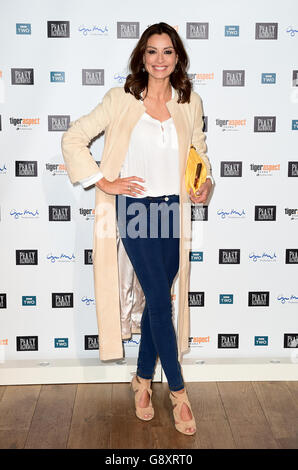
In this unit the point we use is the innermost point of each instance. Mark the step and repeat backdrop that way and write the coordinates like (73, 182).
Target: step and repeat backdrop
(58, 59)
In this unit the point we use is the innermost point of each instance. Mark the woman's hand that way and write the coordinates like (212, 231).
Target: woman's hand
(121, 185)
(202, 194)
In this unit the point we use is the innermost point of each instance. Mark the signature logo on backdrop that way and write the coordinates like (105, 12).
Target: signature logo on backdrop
(265, 256)
(88, 301)
(62, 257)
(94, 30)
(120, 77)
(291, 299)
(25, 214)
(3, 169)
(232, 213)
(291, 31)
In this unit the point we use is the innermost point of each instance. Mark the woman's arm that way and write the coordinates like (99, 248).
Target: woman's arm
(74, 143)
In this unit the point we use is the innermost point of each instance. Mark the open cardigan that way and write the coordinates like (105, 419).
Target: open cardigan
(118, 315)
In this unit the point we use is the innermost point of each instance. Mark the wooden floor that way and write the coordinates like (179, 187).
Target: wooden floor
(229, 415)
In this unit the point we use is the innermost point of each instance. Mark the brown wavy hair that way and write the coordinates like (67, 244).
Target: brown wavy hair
(137, 80)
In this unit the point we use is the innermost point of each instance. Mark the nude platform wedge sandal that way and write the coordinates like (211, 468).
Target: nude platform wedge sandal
(177, 401)
(138, 386)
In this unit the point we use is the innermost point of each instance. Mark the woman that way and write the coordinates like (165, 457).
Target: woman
(154, 120)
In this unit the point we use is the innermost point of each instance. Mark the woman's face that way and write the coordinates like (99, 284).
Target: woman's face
(160, 57)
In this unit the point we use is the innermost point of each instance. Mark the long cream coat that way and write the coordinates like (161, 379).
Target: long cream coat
(117, 115)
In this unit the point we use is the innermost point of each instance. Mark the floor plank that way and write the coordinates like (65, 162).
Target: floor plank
(248, 422)
(91, 422)
(16, 411)
(281, 411)
(52, 417)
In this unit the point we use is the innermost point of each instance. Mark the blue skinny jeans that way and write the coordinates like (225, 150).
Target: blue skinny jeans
(151, 240)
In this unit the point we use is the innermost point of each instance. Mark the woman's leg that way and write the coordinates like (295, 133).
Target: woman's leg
(148, 257)
(147, 352)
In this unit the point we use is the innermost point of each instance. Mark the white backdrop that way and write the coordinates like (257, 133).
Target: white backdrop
(240, 77)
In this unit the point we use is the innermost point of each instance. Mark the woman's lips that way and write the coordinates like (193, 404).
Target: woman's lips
(156, 67)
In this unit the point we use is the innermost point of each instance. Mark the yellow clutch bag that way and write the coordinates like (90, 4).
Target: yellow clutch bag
(196, 171)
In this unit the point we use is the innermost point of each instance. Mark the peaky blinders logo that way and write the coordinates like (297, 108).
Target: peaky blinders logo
(291, 340)
(264, 123)
(265, 213)
(199, 212)
(266, 31)
(128, 30)
(22, 76)
(58, 29)
(59, 213)
(88, 256)
(229, 256)
(62, 299)
(3, 302)
(258, 299)
(26, 257)
(93, 77)
(27, 343)
(91, 342)
(233, 78)
(231, 169)
(196, 299)
(228, 341)
(292, 169)
(197, 30)
(25, 168)
(291, 255)
(58, 123)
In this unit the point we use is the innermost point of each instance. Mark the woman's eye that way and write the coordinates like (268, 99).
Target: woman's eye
(151, 51)
(169, 52)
